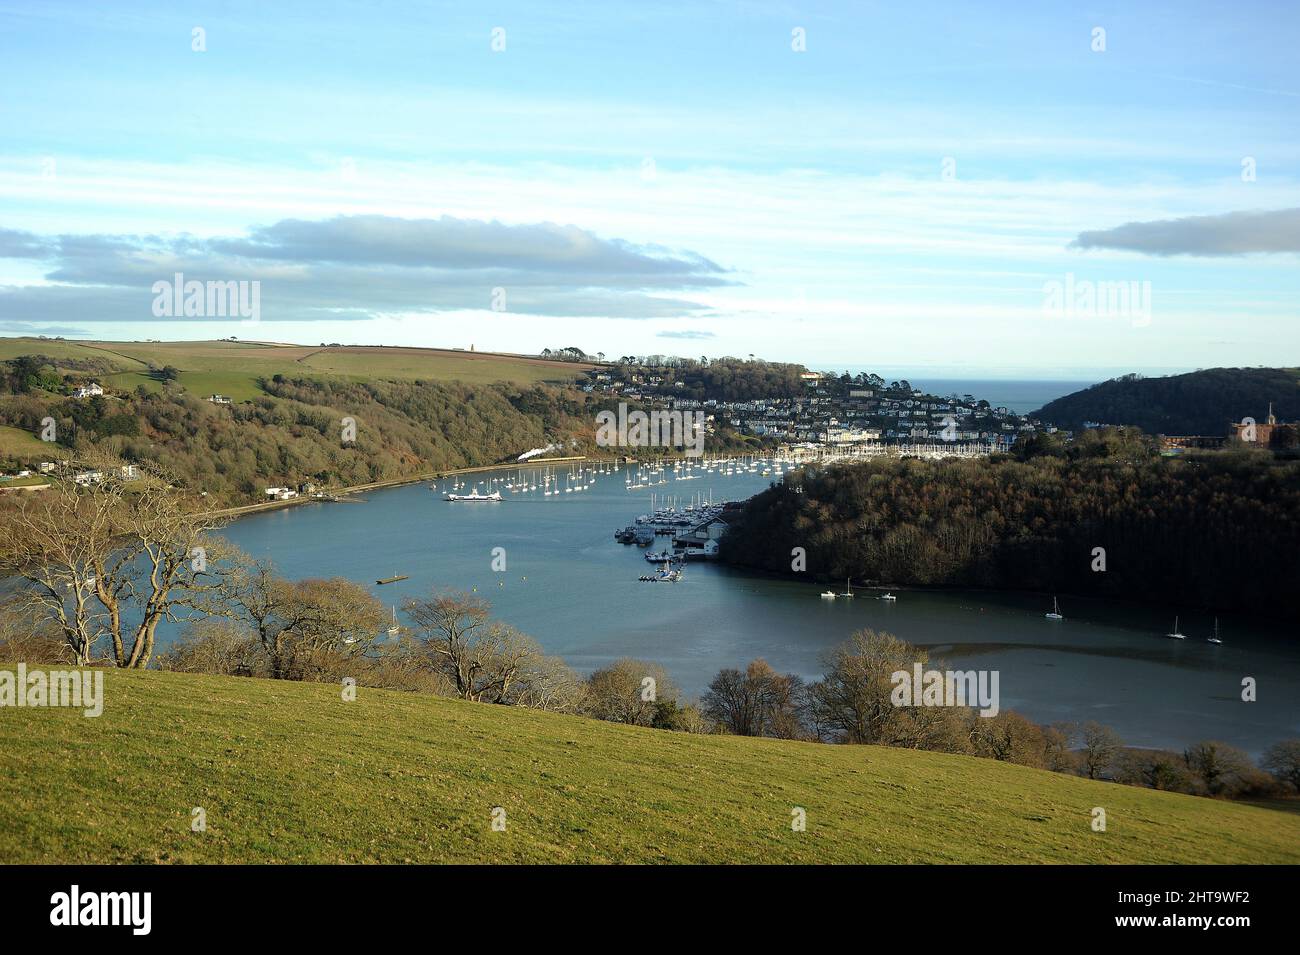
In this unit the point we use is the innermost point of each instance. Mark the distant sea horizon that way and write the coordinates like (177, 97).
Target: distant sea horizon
(1003, 387)
(1019, 395)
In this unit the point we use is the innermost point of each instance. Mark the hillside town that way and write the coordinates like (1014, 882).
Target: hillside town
(834, 411)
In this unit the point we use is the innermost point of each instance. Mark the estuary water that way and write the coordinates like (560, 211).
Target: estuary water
(572, 587)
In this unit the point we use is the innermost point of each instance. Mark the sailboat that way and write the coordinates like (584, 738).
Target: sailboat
(1056, 611)
(1215, 637)
(393, 630)
(1176, 635)
(848, 588)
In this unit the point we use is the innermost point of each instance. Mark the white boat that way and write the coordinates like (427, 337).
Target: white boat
(473, 496)
(1176, 635)
(1056, 611)
(828, 595)
(1215, 637)
(848, 588)
(394, 629)
(889, 597)
(665, 575)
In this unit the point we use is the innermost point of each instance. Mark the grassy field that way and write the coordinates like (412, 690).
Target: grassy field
(17, 443)
(289, 772)
(233, 368)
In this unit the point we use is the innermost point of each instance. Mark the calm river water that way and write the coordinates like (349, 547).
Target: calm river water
(575, 590)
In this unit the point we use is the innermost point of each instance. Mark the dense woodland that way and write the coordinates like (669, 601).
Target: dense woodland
(723, 379)
(1212, 530)
(1202, 402)
(292, 433)
(731, 379)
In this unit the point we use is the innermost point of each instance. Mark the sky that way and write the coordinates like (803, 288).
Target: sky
(1047, 190)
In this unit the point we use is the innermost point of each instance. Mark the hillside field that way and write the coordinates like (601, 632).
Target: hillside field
(233, 368)
(16, 443)
(290, 772)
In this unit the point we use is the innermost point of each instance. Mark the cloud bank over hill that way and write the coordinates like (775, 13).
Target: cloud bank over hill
(363, 266)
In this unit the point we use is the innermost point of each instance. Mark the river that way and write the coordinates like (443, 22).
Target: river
(573, 588)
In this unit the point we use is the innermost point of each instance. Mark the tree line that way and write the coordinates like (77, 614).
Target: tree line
(98, 564)
(292, 433)
(1104, 515)
(1200, 402)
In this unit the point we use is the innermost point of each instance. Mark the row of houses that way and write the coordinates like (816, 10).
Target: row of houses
(837, 412)
(127, 472)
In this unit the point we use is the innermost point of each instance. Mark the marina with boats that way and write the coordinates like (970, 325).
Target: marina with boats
(693, 524)
(563, 555)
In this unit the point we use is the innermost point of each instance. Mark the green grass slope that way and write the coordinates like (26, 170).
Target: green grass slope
(233, 368)
(290, 772)
(16, 443)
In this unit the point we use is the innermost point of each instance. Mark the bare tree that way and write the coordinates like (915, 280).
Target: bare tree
(215, 645)
(758, 702)
(852, 701)
(618, 693)
(1155, 769)
(112, 550)
(1222, 768)
(1057, 755)
(302, 624)
(483, 658)
(31, 639)
(1101, 747)
(1283, 761)
(548, 683)
(1008, 737)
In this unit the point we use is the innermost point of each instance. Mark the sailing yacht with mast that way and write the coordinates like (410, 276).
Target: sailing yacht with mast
(1177, 634)
(848, 588)
(1056, 611)
(1214, 638)
(394, 629)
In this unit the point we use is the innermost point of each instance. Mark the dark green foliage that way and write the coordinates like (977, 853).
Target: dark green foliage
(1202, 402)
(1215, 530)
(294, 432)
(28, 373)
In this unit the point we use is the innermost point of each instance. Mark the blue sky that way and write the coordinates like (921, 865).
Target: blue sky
(667, 178)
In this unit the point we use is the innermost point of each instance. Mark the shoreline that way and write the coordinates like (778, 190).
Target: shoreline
(243, 509)
(1134, 603)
